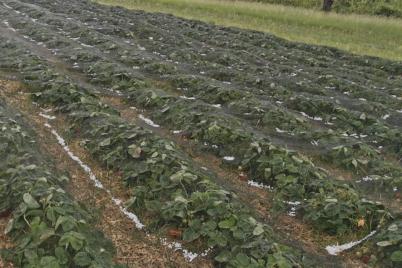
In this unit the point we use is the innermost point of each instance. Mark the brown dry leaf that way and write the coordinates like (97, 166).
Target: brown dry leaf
(175, 233)
(243, 176)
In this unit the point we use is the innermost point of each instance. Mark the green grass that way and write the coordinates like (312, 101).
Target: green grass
(391, 8)
(364, 35)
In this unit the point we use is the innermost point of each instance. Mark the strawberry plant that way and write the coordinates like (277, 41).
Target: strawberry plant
(48, 228)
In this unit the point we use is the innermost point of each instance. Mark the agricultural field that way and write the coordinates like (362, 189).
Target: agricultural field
(136, 139)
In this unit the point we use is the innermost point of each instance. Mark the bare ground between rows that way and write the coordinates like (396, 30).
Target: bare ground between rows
(5, 242)
(133, 247)
(45, 53)
(260, 200)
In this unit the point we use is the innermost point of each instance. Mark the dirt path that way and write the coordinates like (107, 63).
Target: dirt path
(5, 242)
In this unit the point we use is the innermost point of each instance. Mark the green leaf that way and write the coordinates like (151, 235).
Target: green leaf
(63, 179)
(396, 256)
(393, 228)
(134, 151)
(31, 255)
(278, 260)
(177, 177)
(46, 234)
(51, 214)
(169, 147)
(30, 167)
(105, 142)
(82, 259)
(30, 201)
(259, 229)
(76, 240)
(49, 262)
(243, 260)
(228, 223)
(207, 227)
(354, 162)
(61, 255)
(224, 256)
(384, 243)
(67, 222)
(190, 235)
(9, 226)
(252, 220)
(298, 160)
(217, 238)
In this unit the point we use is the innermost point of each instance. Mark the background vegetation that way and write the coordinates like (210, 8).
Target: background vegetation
(370, 7)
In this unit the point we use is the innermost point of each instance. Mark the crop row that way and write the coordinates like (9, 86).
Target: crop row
(48, 228)
(167, 187)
